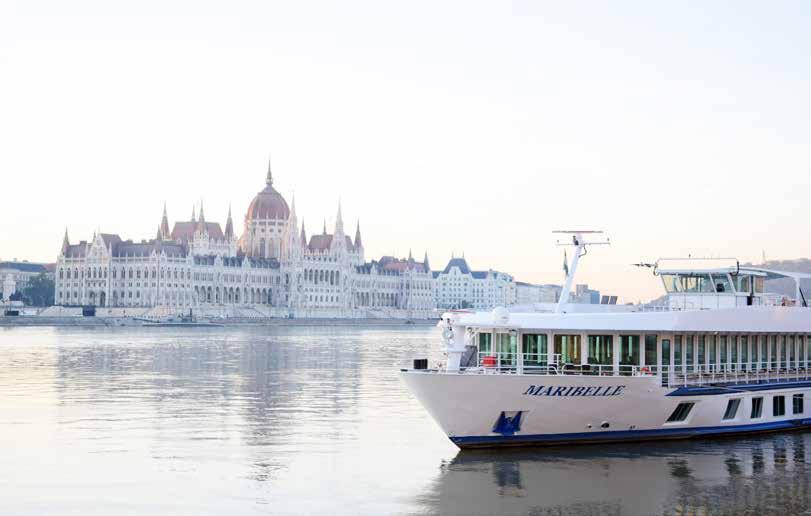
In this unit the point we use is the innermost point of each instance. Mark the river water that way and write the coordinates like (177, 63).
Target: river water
(314, 420)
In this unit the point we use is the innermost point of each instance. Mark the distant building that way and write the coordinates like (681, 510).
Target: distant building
(458, 286)
(14, 275)
(585, 295)
(528, 293)
(273, 268)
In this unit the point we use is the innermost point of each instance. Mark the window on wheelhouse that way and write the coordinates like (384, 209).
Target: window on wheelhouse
(629, 353)
(534, 349)
(601, 352)
(567, 347)
(671, 283)
(720, 283)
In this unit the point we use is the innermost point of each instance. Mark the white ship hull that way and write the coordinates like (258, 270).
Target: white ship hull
(567, 409)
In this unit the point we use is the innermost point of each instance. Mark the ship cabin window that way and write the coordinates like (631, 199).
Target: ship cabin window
(671, 282)
(601, 350)
(701, 355)
(797, 402)
(485, 344)
(778, 406)
(677, 356)
(757, 408)
(534, 349)
(629, 352)
(651, 356)
(507, 349)
(567, 347)
(732, 408)
(681, 412)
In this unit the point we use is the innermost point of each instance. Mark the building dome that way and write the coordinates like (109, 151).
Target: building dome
(268, 204)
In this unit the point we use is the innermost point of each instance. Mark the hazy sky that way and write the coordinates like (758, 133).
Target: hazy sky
(478, 127)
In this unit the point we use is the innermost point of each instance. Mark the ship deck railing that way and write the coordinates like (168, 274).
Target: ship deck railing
(674, 376)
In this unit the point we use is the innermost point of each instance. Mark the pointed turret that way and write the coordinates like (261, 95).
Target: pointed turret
(269, 178)
(325, 227)
(410, 256)
(163, 230)
(65, 242)
(339, 222)
(303, 235)
(201, 223)
(425, 261)
(194, 214)
(229, 226)
(358, 241)
(159, 234)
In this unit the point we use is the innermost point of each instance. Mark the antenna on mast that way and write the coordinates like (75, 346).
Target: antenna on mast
(580, 241)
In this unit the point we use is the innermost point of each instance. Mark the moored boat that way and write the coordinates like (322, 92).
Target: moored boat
(720, 357)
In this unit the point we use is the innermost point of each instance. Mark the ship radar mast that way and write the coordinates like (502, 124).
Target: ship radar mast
(580, 241)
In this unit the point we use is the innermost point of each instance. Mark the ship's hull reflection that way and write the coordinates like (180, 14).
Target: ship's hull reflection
(758, 475)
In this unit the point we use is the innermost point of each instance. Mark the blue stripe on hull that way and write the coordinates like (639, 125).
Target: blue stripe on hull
(626, 435)
(712, 390)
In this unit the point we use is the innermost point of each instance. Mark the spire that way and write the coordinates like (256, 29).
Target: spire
(269, 178)
(65, 241)
(339, 221)
(410, 256)
(201, 223)
(229, 225)
(325, 226)
(194, 214)
(425, 261)
(159, 236)
(303, 235)
(163, 230)
(293, 207)
(358, 242)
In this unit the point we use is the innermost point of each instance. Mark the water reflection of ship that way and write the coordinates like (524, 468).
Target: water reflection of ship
(760, 475)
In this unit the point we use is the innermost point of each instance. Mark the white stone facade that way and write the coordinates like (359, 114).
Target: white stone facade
(459, 287)
(272, 267)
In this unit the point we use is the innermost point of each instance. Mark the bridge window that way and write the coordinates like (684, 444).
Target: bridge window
(720, 283)
(681, 412)
(757, 408)
(779, 406)
(732, 409)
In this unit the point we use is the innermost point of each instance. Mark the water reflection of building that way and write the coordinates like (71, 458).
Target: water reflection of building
(761, 475)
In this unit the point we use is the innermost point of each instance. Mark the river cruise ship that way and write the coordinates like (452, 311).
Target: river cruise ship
(720, 357)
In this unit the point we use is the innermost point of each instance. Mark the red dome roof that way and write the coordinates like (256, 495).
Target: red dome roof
(268, 204)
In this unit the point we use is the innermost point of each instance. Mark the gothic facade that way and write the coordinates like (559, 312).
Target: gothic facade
(273, 268)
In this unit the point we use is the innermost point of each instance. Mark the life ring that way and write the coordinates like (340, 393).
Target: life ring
(645, 370)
